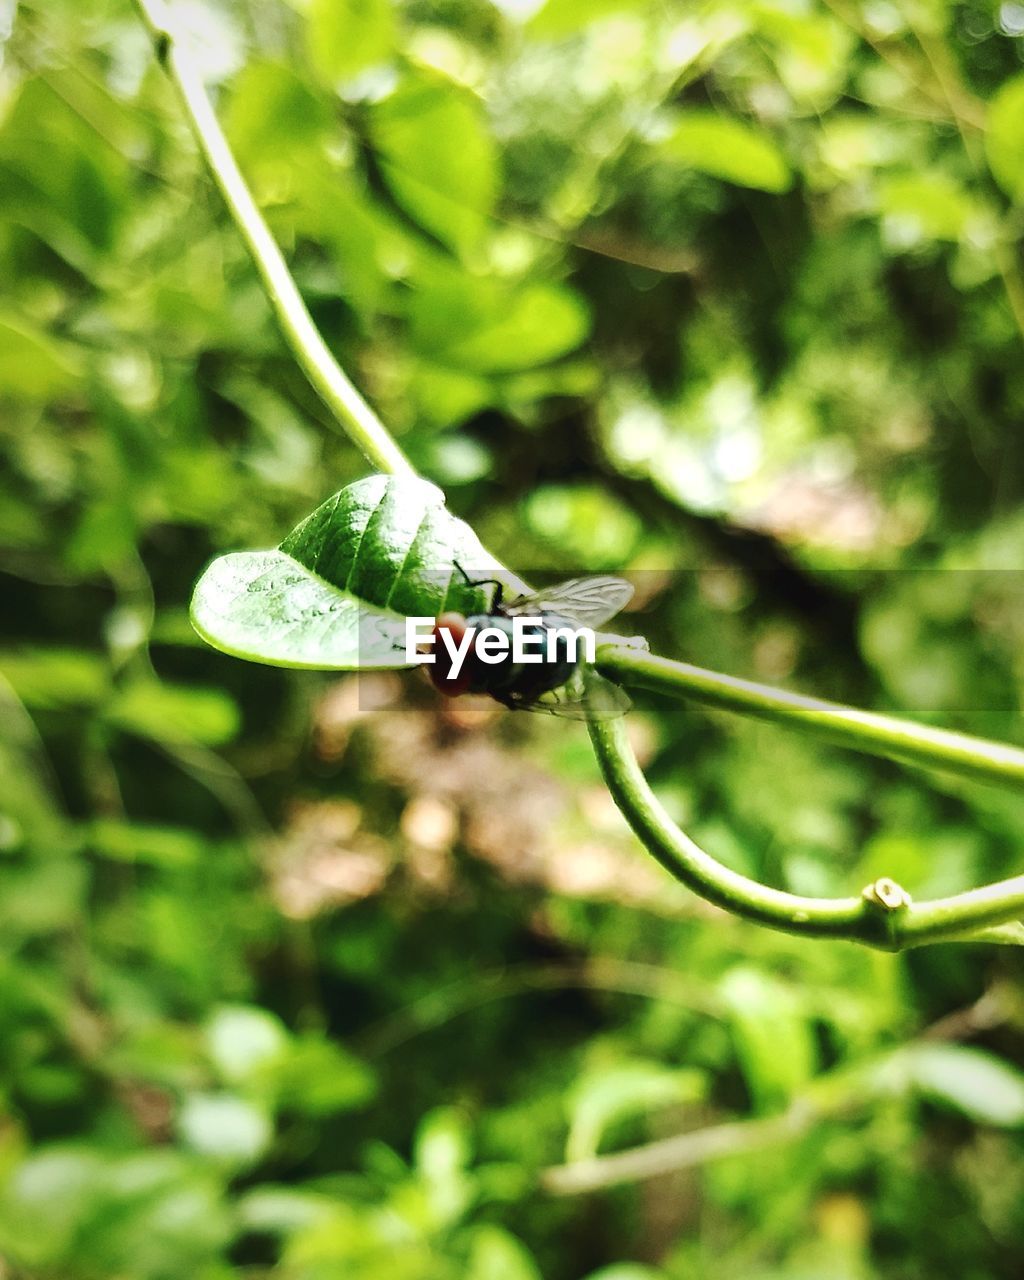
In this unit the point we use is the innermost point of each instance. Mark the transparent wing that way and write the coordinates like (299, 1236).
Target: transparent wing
(587, 601)
(587, 696)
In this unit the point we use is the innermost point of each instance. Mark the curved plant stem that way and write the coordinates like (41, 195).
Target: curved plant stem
(356, 417)
(678, 854)
(882, 916)
(868, 731)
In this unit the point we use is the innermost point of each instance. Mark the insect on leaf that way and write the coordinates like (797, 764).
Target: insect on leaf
(335, 594)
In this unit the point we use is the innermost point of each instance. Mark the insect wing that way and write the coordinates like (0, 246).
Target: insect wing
(587, 696)
(589, 602)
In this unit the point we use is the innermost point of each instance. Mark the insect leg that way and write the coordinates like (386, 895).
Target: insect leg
(498, 585)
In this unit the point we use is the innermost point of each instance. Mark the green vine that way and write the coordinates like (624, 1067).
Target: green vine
(868, 731)
(326, 376)
(883, 915)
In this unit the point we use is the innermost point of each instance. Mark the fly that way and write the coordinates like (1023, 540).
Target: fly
(561, 683)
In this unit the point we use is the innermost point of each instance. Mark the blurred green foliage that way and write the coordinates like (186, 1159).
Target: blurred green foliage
(309, 979)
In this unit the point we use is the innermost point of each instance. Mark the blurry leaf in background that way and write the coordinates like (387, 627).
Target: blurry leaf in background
(496, 1255)
(56, 677)
(438, 158)
(29, 807)
(1004, 137)
(726, 148)
(442, 1149)
(971, 1081)
(812, 50)
(225, 1127)
(585, 522)
(920, 207)
(273, 116)
(52, 1192)
(33, 365)
(244, 1041)
(79, 202)
(774, 1043)
(488, 327)
(553, 19)
(345, 36)
(626, 1271)
(74, 1209)
(320, 1078)
(169, 713)
(272, 1209)
(608, 1094)
(145, 844)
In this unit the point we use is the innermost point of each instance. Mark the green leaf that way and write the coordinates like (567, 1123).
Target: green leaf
(142, 843)
(225, 1127)
(727, 148)
(56, 678)
(175, 713)
(48, 1197)
(484, 326)
(438, 158)
(586, 521)
(1004, 137)
(497, 1255)
(924, 206)
(319, 1078)
(273, 114)
(346, 36)
(980, 1085)
(811, 51)
(32, 365)
(442, 1150)
(42, 898)
(281, 1210)
(29, 809)
(336, 593)
(243, 1041)
(559, 18)
(443, 1146)
(362, 237)
(611, 1093)
(444, 397)
(767, 1014)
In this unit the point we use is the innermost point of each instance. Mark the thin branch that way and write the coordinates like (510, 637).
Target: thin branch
(683, 1151)
(603, 973)
(991, 1009)
(868, 731)
(830, 1096)
(356, 417)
